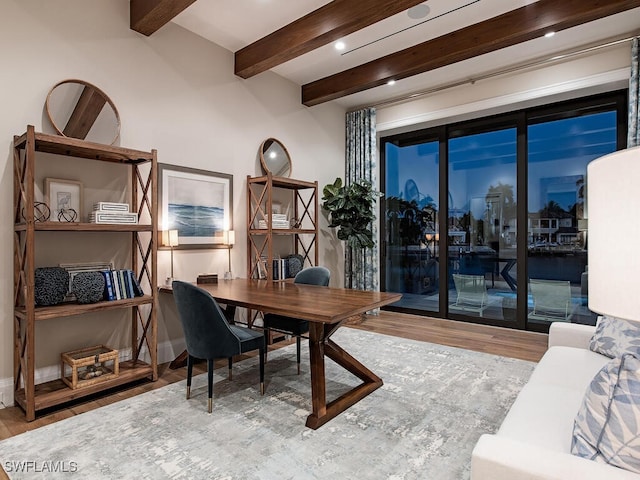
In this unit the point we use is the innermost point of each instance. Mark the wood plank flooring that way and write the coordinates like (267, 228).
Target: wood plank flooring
(499, 341)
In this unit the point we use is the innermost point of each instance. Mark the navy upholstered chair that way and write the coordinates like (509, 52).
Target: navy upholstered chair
(295, 326)
(209, 335)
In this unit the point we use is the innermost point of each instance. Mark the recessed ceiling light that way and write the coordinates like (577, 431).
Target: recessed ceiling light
(391, 82)
(339, 45)
(419, 11)
(549, 34)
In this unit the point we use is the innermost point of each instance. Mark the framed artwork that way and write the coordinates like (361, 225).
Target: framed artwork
(64, 198)
(197, 203)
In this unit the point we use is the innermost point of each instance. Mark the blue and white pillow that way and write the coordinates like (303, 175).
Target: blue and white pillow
(615, 336)
(607, 427)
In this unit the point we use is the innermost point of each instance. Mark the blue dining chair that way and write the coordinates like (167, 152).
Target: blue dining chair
(294, 326)
(209, 335)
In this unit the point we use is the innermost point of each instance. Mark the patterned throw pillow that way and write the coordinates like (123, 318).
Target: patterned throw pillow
(615, 336)
(606, 428)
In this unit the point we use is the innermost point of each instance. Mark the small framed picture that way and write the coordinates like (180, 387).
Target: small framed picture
(64, 198)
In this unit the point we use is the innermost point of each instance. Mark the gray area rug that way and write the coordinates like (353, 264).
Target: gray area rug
(422, 424)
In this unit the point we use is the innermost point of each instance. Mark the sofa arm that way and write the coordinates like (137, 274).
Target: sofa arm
(570, 335)
(498, 458)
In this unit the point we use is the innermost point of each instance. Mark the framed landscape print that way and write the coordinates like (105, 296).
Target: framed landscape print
(197, 203)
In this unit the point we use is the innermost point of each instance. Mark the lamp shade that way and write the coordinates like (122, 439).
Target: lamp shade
(229, 237)
(173, 238)
(613, 196)
(170, 238)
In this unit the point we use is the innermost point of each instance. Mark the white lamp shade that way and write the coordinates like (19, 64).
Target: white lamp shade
(170, 238)
(613, 196)
(229, 237)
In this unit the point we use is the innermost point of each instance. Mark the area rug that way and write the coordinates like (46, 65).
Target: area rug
(422, 424)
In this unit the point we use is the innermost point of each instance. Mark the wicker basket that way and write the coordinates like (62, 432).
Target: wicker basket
(88, 366)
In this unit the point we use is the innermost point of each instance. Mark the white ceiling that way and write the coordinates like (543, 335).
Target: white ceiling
(234, 24)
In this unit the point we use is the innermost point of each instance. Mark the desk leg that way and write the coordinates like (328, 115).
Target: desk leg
(507, 276)
(319, 346)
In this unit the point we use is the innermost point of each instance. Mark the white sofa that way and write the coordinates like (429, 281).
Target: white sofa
(534, 440)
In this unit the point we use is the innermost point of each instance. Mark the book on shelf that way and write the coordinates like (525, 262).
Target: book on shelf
(137, 289)
(101, 216)
(281, 224)
(280, 268)
(108, 285)
(110, 207)
(121, 284)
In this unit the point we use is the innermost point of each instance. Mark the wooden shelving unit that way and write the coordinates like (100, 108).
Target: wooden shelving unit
(304, 210)
(144, 240)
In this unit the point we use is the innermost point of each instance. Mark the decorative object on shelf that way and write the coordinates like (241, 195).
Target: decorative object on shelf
(114, 213)
(170, 239)
(295, 263)
(118, 218)
(278, 221)
(51, 285)
(275, 158)
(207, 278)
(351, 211)
(79, 109)
(41, 212)
(88, 287)
(64, 198)
(76, 268)
(67, 215)
(198, 201)
(88, 366)
(229, 238)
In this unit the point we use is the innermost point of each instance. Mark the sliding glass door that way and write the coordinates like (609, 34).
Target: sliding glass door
(486, 221)
(412, 189)
(482, 223)
(559, 150)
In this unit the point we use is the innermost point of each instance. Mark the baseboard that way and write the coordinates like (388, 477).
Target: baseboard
(167, 351)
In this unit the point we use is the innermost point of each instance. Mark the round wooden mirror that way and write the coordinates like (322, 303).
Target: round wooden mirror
(78, 109)
(275, 158)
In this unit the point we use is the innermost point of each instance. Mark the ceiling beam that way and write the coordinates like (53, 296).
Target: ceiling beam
(327, 24)
(147, 16)
(511, 28)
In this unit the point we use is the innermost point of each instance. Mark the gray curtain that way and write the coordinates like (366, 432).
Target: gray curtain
(361, 164)
(633, 138)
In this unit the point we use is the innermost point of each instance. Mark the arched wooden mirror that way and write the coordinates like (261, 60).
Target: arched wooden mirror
(275, 158)
(78, 109)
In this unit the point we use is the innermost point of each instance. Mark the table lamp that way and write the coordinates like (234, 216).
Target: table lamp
(170, 239)
(613, 255)
(229, 238)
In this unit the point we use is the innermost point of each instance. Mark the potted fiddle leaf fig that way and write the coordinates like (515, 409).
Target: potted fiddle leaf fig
(350, 209)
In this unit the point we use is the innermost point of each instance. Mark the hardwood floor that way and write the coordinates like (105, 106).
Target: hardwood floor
(499, 341)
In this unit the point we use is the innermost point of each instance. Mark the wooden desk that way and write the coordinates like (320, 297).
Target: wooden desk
(325, 308)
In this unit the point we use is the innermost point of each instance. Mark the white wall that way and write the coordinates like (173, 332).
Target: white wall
(175, 92)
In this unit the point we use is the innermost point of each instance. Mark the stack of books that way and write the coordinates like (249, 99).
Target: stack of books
(280, 268)
(278, 220)
(120, 284)
(110, 212)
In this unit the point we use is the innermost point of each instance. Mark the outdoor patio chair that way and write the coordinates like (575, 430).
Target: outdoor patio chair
(471, 293)
(551, 300)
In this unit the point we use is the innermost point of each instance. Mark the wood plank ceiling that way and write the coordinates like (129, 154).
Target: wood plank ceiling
(341, 17)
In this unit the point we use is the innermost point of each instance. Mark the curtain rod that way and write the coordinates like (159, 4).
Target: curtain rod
(496, 73)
